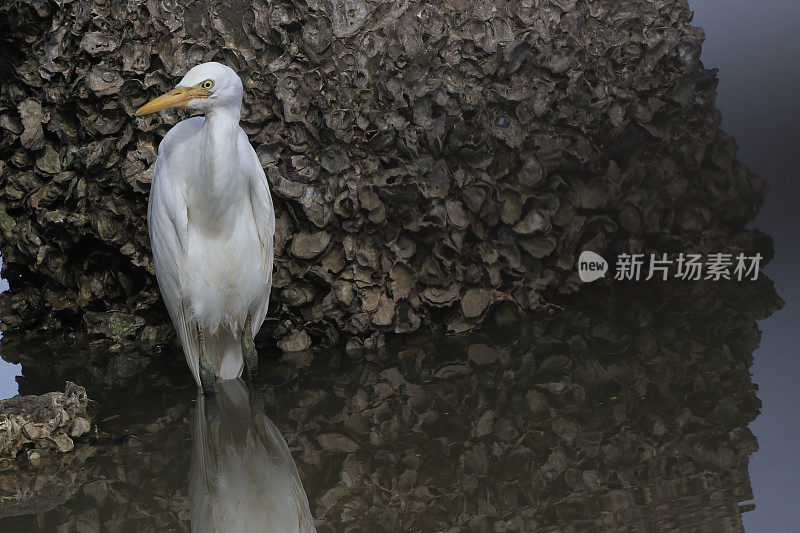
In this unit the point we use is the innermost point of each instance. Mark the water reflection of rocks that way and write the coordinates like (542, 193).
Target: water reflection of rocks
(628, 410)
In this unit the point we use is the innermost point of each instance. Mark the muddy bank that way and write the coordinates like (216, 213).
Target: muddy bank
(430, 163)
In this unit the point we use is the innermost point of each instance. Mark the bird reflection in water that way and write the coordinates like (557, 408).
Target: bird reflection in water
(242, 477)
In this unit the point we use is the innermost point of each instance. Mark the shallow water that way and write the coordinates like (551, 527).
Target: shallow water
(629, 409)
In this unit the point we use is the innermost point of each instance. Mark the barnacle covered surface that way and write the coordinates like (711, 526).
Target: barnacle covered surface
(629, 412)
(430, 161)
(37, 426)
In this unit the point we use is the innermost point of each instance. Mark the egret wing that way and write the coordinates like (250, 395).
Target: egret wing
(264, 217)
(167, 221)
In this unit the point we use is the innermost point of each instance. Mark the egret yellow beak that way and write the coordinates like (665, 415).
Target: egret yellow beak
(179, 96)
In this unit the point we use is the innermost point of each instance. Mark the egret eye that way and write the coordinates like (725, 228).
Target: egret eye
(207, 85)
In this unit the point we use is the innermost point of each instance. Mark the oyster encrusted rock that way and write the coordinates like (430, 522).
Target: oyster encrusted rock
(418, 154)
(43, 425)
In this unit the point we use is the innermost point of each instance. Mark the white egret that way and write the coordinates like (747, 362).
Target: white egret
(211, 225)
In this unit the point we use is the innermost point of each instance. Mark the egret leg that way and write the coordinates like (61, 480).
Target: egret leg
(206, 366)
(211, 412)
(249, 348)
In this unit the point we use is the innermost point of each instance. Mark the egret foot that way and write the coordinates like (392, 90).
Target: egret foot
(249, 349)
(206, 366)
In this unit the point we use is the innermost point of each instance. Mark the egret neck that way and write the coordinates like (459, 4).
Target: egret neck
(221, 185)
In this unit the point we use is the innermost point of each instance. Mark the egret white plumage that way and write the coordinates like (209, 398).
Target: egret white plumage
(211, 224)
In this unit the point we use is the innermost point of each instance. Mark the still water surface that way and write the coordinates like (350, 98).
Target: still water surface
(629, 410)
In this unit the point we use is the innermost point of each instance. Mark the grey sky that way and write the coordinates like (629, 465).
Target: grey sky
(755, 44)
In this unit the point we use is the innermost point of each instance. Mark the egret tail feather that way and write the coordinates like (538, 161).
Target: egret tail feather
(225, 351)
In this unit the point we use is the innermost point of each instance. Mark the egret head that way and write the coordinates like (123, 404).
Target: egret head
(205, 87)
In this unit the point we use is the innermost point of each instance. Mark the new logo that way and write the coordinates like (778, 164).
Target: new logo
(591, 266)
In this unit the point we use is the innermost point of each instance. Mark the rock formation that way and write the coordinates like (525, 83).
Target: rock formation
(429, 162)
(42, 425)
